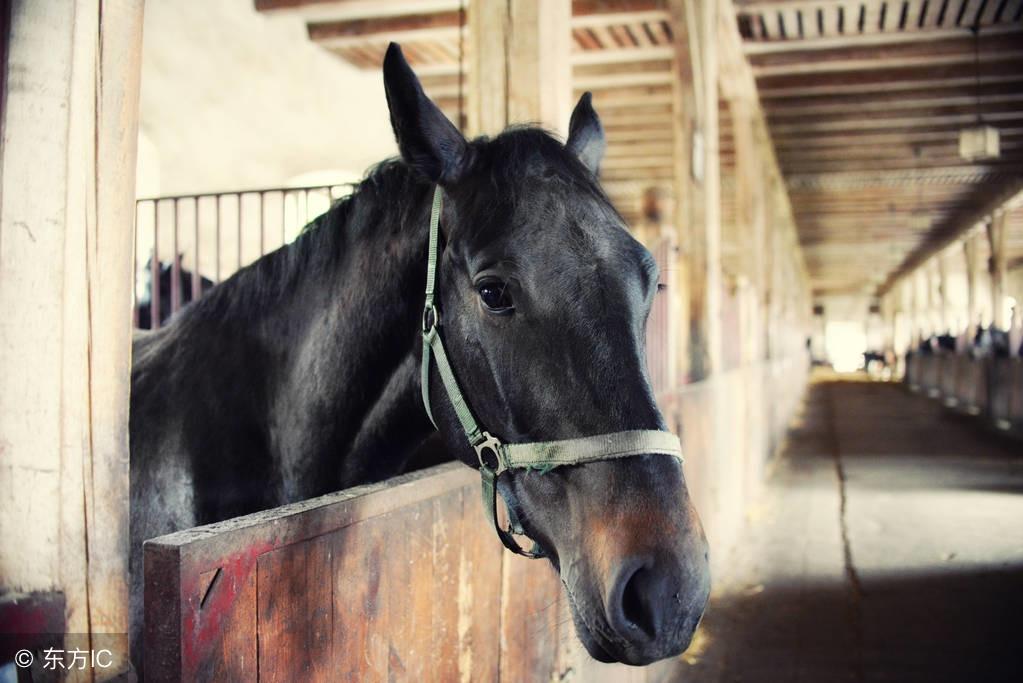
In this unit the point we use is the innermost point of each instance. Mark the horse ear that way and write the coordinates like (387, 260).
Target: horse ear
(427, 140)
(586, 135)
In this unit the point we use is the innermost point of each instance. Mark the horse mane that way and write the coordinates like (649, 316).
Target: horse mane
(388, 194)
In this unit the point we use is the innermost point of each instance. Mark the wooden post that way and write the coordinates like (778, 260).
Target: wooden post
(688, 198)
(945, 310)
(695, 26)
(520, 68)
(997, 267)
(66, 226)
(749, 200)
(972, 307)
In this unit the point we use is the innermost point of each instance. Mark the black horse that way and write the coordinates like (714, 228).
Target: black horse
(299, 375)
(144, 318)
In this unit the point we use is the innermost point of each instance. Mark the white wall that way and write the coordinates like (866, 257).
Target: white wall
(233, 99)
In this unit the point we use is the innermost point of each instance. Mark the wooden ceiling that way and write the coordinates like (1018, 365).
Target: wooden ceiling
(864, 100)
(622, 51)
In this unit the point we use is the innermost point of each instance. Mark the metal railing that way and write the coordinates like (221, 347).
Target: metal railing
(185, 244)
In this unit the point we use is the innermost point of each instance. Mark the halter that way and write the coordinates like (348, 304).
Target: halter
(496, 457)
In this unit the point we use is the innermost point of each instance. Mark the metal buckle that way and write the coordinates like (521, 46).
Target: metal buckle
(431, 318)
(493, 444)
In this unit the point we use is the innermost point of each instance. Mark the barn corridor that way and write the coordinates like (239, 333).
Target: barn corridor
(888, 546)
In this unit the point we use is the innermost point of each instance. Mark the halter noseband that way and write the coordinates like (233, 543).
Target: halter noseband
(496, 457)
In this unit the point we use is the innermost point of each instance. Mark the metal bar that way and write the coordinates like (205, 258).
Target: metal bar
(196, 274)
(283, 220)
(262, 231)
(216, 268)
(134, 277)
(175, 266)
(238, 192)
(239, 231)
(154, 272)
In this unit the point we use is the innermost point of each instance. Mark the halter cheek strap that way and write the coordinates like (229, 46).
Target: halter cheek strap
(496, 457)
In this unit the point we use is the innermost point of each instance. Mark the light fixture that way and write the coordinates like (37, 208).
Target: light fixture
(978, 142)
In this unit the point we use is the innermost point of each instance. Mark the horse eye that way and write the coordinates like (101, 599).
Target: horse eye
(495, 296)
(661, 287)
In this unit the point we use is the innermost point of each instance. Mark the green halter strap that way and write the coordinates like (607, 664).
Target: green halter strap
(496, 457)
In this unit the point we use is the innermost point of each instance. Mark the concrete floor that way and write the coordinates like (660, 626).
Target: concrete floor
(888, 546)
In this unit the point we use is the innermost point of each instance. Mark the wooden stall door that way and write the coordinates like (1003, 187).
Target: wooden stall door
(396, 581)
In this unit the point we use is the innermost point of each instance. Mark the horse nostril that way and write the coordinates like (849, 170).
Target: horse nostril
(636, 607)
(645, 601)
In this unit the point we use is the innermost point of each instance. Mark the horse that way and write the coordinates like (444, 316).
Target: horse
(145, 304)
(990, 341)
(300, 374)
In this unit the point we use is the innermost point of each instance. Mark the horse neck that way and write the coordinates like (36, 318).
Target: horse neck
(338, 335)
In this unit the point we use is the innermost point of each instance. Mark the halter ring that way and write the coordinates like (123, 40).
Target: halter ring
(493, 444)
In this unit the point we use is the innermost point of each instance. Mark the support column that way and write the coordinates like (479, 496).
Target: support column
(521, 69)
(972, 307)
(67, 171)
(944, 306)
(997, 267)
(915, 309)
(749, 203)
(698, 177)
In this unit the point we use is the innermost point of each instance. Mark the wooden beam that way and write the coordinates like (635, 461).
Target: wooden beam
(608, 82)
(859, 40)
(877, 63)
(402, 28)
(520, 68)
(895, 135)
(622, 56)
(339, 10)
(945, 234)
(889, 79)
(874, 124)
(998, 93)
(995, 226)
(972, 268)
(586, 8)
(607, 18)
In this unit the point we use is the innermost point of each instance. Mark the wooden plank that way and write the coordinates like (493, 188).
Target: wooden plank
(357, 602)
(392, 28)
(304, 520)
(384, 618)
(599, 22)
(295, 612)
(618, 56)
(997, 108)
(605, 82)
(952, 50)
(479, 594)
(876, 81)
(529, 625)
(582, 8)
(442, 632)
(339, 10)
(906, 99)
(861, 123)
(878, 39)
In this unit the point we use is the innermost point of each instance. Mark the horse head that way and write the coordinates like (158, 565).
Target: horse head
(543, 297)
